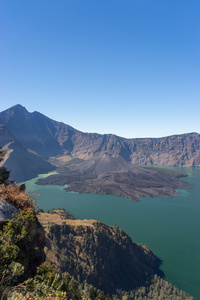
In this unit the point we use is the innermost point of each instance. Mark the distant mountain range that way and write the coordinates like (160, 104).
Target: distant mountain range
(31, 139)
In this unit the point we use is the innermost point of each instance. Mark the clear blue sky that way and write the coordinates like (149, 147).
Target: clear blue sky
(128, 67)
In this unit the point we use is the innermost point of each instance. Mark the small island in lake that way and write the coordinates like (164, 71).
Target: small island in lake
(114, 175)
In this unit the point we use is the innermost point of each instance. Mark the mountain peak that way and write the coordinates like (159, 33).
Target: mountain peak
(50, 138)
(17, 107)
(13, 114)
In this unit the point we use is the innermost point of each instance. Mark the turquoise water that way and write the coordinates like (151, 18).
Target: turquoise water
(170, 227)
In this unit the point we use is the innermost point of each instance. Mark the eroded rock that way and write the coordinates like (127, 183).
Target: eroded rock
(7, 211)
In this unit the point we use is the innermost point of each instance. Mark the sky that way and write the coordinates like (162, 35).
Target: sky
(126, 67)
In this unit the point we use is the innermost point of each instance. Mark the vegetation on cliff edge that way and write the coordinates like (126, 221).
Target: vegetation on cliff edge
(24, 276)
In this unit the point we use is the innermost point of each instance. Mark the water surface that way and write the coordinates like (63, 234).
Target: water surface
(169, 226)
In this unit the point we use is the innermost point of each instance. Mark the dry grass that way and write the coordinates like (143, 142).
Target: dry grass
(17, 198)
(46, 218)
(64, 158)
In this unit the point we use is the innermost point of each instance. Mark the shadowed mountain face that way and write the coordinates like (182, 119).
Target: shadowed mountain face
(114, 175)
(33, 130)
(23, 162)
(49, 138)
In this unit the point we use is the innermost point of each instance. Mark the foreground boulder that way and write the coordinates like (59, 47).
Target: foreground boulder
(7, 211)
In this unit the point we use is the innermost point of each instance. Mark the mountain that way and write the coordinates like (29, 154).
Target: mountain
(23, 162)
(83, 257)
(48, 138)
(104, 256)
(33, 130)
(114, 175)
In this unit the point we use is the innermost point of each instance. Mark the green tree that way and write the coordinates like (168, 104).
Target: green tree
(4, 173)
(12, 233)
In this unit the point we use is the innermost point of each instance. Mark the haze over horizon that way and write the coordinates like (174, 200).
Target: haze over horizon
(130, 68)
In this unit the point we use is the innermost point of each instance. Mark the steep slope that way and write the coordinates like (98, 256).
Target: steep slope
(22, 238)
(89, 250)
(176, 150)
(49, 138)
(114, 175)
(33, 130)
(23, 163)
(102, 255)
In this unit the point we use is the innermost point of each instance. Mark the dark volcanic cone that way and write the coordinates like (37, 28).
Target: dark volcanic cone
(114, 175)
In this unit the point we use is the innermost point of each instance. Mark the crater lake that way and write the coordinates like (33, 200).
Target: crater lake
(169, 226)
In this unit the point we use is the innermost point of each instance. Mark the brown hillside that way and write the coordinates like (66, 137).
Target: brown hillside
(102, 255)
(49, 138)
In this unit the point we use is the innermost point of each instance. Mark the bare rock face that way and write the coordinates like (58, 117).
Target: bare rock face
(104, 256)
(50, 138)
(7, 211)
(24, 163)
(32, 138)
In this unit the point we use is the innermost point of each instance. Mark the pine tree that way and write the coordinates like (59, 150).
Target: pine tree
(4, 173)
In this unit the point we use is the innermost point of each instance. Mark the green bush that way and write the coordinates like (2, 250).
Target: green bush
(12, 233)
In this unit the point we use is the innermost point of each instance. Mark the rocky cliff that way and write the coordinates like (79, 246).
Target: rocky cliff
(22, 237)
(24, 163)
(47, 138)
(102, 255)
(89, 250)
